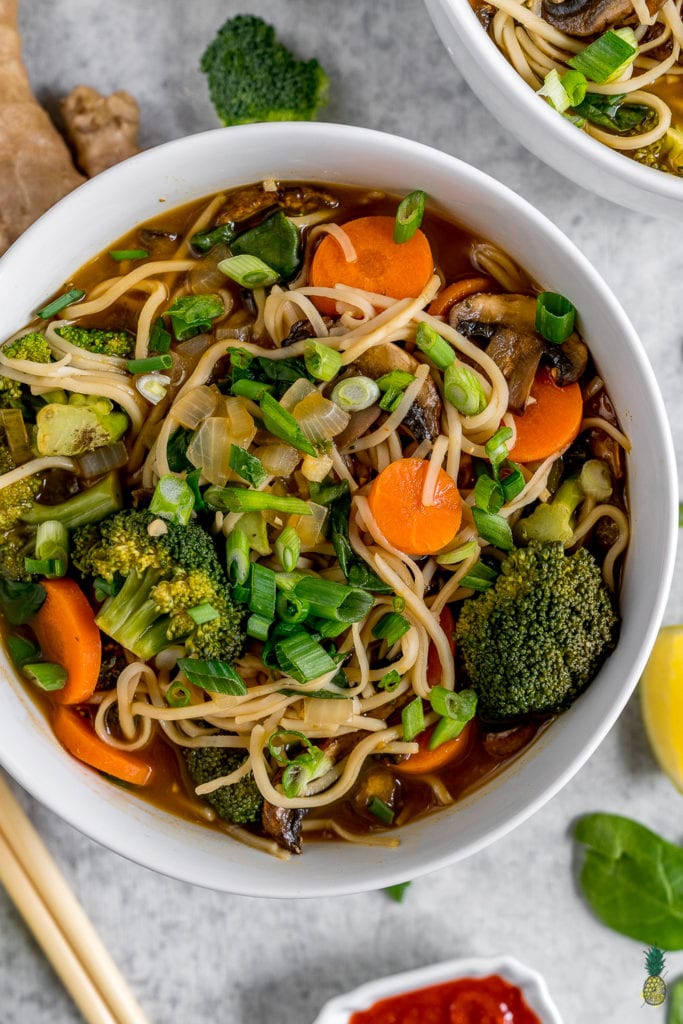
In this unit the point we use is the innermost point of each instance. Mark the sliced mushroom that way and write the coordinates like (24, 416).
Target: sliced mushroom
(585, 17)
(296, 200)
(518, 311)
(423, 419)
(283, 824)
(359, 424)
(517, 355)
(569, 360)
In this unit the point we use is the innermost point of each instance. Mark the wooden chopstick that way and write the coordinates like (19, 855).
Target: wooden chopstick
(41, 894)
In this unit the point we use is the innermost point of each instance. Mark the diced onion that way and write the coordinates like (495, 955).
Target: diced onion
(316, 469)
(296, 393)
(209, 450)
(194, 407)
(323, 713)
(102, 460)
(319, 418)
(310, 528)
(279, 459)
(152, 386)
(241, 422)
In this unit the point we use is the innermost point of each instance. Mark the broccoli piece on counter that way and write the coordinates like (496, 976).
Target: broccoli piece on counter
(241, 803)
(165, 571)
(98, 341)
(535, 639)
(253, 77)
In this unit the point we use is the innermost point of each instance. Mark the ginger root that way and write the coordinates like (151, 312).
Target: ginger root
(103, 130)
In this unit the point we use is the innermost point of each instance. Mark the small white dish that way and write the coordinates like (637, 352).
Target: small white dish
(534, 988)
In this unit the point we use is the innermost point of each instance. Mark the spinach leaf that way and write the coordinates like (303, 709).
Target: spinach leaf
(633, 879)
(612, 113)
(357, 572)
(176, 449)
(275, 241)
(191, 314)
(281, 373)
(19, 600)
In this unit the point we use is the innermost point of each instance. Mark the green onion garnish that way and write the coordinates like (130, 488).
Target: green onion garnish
(52, 542)
(391, 627)
(480, 577)
(178, 695)
(262, 595)
(409, 216)
(497, 450)
(252, 389)
(75, 295)
(303, 769)
(398, 603)
(514, 483)
(413, 719)
(53, 568)
(240, 499)
(458, 554)
(237, 562)
(322, 362)
(192, 314)
(328, 628)
(456, 710)
(606, 57)
(280, 740)
(205, 240)
(434, 346)
(389, 680)
(291, 608)
(303, 657)
(555, 317)
(202, 613)
(214, 676)
(159, 338)
(173, 499)
(288, 548)
(381, 810)
(47, 674)
(395, 380)
(575, 85)
(355, 393)
(281, 423)
(554, 91)
(488, 495)
(494, 529)
(152, 386)
(258, 627)
(246, 465)
(151, 364)
(128, 254)
(464, 390)
(21, 650)
(248, 271)
(390, 400)
(330, 600)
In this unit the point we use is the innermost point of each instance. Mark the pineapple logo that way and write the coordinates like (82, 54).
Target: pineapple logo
(654, 989)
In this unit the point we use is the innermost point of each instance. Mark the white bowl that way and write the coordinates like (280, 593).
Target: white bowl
(99, 212)
(340, 1009)
(549, 136)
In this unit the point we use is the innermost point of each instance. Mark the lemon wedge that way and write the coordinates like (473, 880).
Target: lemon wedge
(661, 698)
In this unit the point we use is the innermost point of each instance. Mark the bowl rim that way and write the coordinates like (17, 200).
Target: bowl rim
(386, 872)
(612, 162)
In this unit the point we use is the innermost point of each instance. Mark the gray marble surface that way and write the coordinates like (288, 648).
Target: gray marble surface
(194, 956)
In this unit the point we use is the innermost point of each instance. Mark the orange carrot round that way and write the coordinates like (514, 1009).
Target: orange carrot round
(458, 291)
(426, 760)
(549, 422)
(395, 501)
(77, 735)
(67, 633)
(400, 270)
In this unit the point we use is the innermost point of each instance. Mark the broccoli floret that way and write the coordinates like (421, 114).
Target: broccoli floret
(101, 342)
(666, 154)
(241, 803)
(78, 426)
(535, 639)
(12, 553)
(32, 346)
(552, 520)
(163, 578)
(253, 77)
(16, 499)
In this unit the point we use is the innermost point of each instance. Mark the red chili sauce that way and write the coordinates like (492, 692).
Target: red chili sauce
(489, 1000)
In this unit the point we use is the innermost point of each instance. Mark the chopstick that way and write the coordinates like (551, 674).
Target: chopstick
(42, 896)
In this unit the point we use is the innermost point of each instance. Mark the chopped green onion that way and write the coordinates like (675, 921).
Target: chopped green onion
(303, 657)
(159, 338)
(202, 613)
(288, 548)
(488, 495)
(381, 810)
(575, 85)
(497, 450)
(554, 91)
(445, 729)
(413, 719)
(281, 423)
(322, 362)
(248, 271)
(287, 580)
(258, 626)
(214, 676)
(409, 216)
(237, 563)
(75, 295)
(53, 568)
(458, 554)
(173, 499)
(252, 389)
(246, 465)
(330, 600)
(52, 542)
(192, 314)
(464, 390)
(480, 577)
(285, 736)
(240, 499)
(389, 681)
(192, 479)
(178, 695)
(21, 650)
(397, 892)
(152, 386)
(47, 674)
(434, 346)
(128, 254)
(151, 364)
(554, 317)
(494, 529)
(303, 769)
(262, 597)
(329, 628)
(205, 240)
(398, 603)
(455, 709)
(241, 593)
(391, 627)
(291, 608)
(606, 57)
(355, 393)
(395, 380)
(390, 400)
(514, 483)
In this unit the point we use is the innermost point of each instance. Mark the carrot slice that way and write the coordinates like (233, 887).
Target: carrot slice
(76, 735)
(458, 291)
(381, 265)
(67, 633)
(550, 422)
(426, 760)
(395, 501)
(447, 623)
